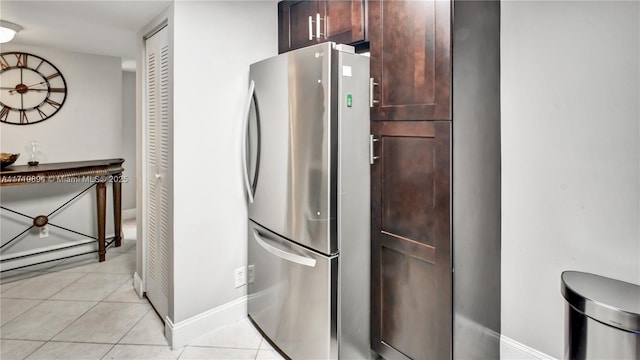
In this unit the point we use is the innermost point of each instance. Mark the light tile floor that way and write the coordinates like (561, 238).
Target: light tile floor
(82, 309)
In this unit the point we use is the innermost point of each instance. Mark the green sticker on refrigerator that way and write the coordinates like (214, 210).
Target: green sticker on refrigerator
(349, 100)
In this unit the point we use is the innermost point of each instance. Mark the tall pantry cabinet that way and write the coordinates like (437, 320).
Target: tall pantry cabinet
(410, 46)
(435, 212)
(435, 181)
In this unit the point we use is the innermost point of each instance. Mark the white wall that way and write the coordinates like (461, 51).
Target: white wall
(570, 156)
(214, 44)
(87, 127)
(129, 138)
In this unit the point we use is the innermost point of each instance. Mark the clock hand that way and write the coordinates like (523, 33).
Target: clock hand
(11, 92)
(36, 84)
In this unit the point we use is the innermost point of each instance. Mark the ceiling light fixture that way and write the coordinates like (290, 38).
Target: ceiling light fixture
(8, 30)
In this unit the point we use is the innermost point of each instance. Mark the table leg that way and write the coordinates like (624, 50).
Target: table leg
(117, 209)
(101, 191)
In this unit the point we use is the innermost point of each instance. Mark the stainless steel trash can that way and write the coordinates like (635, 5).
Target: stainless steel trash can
(602, 317)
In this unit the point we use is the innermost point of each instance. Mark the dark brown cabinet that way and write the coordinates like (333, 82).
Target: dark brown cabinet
(410, 46)
(410, 43)
(304, 23)
(295, 27)
(411, 262)
(435, 185)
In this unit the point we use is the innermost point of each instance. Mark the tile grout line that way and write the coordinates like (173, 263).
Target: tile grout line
(181, 352)
(258, 351)
(83, 314)
(74, 321)
(221, 347)
(28, 275)
(80, 342)
(68, 300)
(108, 351)
(130, 278)
(40, 301)
(73, 282)
(41, 274)
(36, 349)
(132, 326)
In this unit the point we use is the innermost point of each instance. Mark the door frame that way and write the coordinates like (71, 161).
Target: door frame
(162, 21)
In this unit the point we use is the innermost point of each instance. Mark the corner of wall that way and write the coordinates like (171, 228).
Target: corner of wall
(181, 333)
(138, 284)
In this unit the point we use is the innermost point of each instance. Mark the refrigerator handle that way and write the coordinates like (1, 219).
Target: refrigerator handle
(245, 131)
(294, 258)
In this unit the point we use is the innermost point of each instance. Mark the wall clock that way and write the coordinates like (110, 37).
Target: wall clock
(31, 89)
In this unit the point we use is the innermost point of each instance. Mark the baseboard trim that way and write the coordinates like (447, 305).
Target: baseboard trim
(56, 253)
(182, 333)
(138, 284)
(129, 214)
(511, 349)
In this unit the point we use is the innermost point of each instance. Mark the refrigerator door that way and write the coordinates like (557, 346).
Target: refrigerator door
(292, 147)
(292, 295)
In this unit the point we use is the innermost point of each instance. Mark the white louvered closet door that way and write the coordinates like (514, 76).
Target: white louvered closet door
(159, 172)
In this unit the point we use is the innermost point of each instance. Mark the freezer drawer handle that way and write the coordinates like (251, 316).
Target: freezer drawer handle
(302, 260)
(245, 128)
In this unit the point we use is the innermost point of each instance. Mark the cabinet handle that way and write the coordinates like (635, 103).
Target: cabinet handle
(317, 21)
(318, 26)
(372, 158)
(326, 26)
(372, 83)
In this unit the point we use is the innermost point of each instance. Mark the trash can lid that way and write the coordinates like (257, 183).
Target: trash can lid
(612, 302)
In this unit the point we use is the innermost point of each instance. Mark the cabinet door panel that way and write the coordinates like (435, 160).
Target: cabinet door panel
(411, 250)
(410, 59)
(407, 209)
(345, 20)
(342, 21)
(407, 309)
(293, 24)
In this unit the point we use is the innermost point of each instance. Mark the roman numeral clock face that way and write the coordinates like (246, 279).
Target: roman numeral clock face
(31, 89)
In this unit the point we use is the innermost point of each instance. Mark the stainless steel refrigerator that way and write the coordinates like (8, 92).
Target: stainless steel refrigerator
(306, 165)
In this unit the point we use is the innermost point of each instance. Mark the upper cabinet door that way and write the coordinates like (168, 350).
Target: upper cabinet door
(304, 23)
(296, 24)
(343, 21)
(410, 44)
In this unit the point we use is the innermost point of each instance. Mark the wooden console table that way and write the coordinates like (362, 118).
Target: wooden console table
(96, 171)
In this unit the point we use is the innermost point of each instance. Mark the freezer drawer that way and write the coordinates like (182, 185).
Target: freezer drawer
(293, 295)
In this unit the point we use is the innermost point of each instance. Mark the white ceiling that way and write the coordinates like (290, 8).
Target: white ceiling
(88, 26)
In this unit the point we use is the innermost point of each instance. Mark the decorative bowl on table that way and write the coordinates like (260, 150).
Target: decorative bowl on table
(8, 159)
